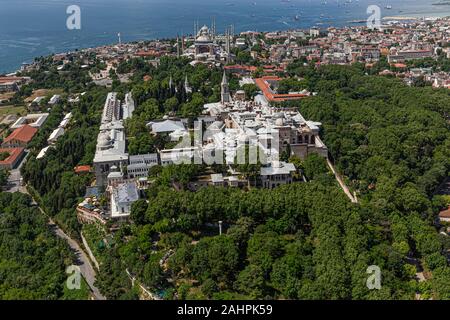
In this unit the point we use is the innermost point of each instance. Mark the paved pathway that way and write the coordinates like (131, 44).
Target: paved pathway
(341, 183)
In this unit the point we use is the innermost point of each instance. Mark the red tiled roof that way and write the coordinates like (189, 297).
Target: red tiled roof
(10, 79)
(400, 65)
(445, 213)
(14, 153)
(265, 88)
(272, 69)
(24, 134)
(81, 169)
(243, 68)
(149, 53)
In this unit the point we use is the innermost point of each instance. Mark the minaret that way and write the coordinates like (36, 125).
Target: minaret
(187, 88)
(120, 39)
(227, 41)
(170, 82)
(213, 29)
(182, 44)
(178, 46)
(224, 92)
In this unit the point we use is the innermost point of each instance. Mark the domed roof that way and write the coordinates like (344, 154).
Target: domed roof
(279, 115)
(279, 122)
(203, 38)
(104, 140)
(203, 35)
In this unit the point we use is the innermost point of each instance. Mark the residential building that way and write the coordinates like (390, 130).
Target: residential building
(58, 132)
(139, 165)
(20, 137)
(54, 99)
(122, 198)
(276, 173)
(15, 155)
(34, 120)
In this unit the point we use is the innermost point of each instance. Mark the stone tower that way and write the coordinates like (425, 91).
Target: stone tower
(225, 92)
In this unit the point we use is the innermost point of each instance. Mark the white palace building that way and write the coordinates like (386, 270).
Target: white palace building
(232, 124)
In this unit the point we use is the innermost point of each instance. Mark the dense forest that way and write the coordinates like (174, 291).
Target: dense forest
(303, 241)
(57, 186)
(307, 241)
(32, 260)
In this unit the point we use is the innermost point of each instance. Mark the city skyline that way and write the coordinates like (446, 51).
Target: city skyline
(30, 35)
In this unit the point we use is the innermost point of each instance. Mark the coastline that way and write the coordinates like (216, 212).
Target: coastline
(347, 24)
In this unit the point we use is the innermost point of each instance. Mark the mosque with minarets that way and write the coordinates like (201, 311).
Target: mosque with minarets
(204, 42)
(208, 47)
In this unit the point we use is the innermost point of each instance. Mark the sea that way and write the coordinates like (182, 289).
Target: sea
(33, 28)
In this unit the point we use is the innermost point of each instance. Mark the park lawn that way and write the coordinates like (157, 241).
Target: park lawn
(43, 93)
(7, 110)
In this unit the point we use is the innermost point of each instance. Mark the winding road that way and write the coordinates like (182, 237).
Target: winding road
(82, 260)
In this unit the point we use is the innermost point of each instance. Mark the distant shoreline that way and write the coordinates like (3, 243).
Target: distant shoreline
(350, 23)
(401, 18)
(445, 3)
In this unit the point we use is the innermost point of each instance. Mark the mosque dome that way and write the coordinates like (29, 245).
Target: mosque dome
(203, 35)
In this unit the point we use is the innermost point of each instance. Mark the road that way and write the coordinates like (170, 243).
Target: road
(82, 259)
